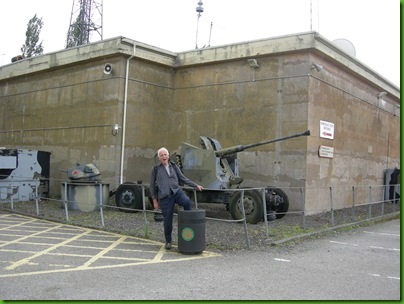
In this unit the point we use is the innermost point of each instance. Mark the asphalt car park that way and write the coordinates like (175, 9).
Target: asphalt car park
(41, 260)
(30, 246)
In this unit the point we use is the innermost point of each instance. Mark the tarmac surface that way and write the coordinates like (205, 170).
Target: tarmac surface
(42, 260)
(31, 246)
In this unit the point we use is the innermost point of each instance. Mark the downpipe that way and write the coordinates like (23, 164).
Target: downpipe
(124, 114)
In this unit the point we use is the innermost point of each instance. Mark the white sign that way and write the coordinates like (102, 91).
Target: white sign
(325, 151)
(326, 129)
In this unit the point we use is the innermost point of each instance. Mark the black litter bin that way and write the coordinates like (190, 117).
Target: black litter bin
(191, 231)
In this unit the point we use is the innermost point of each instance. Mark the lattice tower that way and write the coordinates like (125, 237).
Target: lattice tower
(86, 18)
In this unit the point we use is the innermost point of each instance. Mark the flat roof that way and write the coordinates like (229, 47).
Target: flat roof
(247, 49)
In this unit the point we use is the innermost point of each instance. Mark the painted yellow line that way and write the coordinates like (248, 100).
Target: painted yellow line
(26, 237)
(26, 260)
(103, 252)
(17, 225)
(160, 255)
(108, 266)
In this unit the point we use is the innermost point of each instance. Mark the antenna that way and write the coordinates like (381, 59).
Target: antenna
(199, 10)
(318, 16)
(86, 17)
(210, 32)
(311, 15)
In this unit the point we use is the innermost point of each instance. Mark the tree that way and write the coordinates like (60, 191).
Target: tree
(31, 46)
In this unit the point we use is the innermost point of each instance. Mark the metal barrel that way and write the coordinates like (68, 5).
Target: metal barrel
(239, 148)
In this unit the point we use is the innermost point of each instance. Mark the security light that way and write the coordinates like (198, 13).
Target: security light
(253, 63)
(317, 67)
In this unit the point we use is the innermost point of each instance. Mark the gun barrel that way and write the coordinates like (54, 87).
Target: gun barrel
(239, 148)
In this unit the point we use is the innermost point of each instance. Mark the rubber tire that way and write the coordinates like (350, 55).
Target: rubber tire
(252, 204)
(129, 196)
(283, 200)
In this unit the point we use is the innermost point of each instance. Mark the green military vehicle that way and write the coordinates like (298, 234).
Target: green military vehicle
(216, 169)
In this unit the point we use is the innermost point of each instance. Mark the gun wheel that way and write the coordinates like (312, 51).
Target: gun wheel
(252, 206)
(128, 197)
(277, 201)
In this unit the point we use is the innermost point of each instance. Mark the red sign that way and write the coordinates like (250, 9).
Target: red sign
(326, 129)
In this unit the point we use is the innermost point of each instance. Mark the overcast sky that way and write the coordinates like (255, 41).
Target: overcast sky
(373, 27)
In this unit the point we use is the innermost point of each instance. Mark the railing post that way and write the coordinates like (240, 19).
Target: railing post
(36, 200)
(353, 203)
(66, 202)
(384, 191)
(303, 209)
(195, 199)
(332, 208)
(245, 219)
(101, 205)
(394, 202)
(11, 195)
(146, 223)
(394, 197)
(264, 202)
(370, 201)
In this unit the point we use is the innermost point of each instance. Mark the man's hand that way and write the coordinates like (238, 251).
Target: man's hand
(155, 204)
(199, 188)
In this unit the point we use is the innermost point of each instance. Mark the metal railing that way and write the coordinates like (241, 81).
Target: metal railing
(371, 197)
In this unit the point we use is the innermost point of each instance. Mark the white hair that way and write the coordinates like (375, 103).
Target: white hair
(161, 150)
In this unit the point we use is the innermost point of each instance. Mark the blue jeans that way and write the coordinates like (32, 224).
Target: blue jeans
(167, 209)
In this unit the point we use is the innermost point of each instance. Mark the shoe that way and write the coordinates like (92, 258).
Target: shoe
(168, 246)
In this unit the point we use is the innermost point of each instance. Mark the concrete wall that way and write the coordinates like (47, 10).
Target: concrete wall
(236, 104)
(65, 104)
(68, 112)
(366, 140)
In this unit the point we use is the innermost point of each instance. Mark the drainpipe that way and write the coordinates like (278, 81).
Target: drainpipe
(124, 113)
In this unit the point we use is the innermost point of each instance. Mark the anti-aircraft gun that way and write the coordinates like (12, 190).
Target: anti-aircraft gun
(216, 169)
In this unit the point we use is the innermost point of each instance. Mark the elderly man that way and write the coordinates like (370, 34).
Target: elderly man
(165, 191)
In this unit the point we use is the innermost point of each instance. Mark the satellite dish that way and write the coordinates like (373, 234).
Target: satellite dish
(345, 45)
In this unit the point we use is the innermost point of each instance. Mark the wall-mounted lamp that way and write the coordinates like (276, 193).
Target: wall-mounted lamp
(317, 67)
(380, 102)
(115, 129)
(396, 109)
(253, 63)
(107, 69)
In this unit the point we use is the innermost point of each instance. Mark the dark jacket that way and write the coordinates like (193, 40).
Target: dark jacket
(163, 185)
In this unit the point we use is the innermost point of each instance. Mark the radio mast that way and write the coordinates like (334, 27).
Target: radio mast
(86, 18)
(199, 10)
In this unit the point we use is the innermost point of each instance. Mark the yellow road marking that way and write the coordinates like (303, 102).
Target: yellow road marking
(159, 255)
(103, 252)
(83, 236)
(16, 225)
(26, 260)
